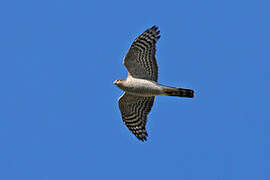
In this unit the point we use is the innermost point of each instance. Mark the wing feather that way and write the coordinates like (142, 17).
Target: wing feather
(140, 59)
(134, 111)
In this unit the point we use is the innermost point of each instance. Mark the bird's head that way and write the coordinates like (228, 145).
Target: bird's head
(118, 82)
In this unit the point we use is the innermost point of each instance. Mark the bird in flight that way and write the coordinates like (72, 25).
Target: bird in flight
(141, 86)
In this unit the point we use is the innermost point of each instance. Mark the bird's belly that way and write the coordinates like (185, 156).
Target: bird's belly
(143, 88)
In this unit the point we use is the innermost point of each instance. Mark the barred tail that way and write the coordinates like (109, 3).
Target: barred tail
(181, 92)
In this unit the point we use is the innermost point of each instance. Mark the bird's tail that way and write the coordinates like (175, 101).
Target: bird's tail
(181, 92)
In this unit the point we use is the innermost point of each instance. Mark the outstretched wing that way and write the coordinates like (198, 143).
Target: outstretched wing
(134, 111)
(140, 59)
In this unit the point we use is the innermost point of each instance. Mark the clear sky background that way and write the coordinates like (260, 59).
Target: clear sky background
(59, 114)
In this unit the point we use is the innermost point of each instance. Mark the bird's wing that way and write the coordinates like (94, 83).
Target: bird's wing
(140, 59)
(134, 111)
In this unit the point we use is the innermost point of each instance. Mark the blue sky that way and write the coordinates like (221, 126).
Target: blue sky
(59, 114)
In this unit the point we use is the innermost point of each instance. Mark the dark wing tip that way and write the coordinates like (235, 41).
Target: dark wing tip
(151, 34)
(154, 31)
(140, 134)
(142, 137)
(154, 27)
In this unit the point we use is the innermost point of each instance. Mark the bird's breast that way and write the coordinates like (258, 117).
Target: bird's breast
(142, 87)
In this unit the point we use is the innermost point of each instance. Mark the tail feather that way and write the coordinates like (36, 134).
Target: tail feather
(181, 92)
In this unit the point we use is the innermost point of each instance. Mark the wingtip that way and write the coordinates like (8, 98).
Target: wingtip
(155, 27)
(142, 137)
